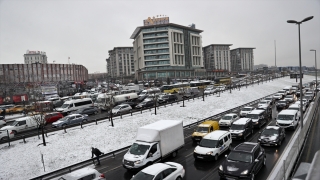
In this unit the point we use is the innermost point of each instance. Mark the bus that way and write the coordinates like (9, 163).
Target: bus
(174, 88)
(202, 84)
(222, 81)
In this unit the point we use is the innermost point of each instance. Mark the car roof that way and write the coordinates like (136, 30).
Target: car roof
(230, 114)
(247, 107)
(215, 135)
(242, 121)
(272, 127)
(80, 173)
(207, 123)
(256, 111)
(288, 111)
(155, 168)
(246, 146)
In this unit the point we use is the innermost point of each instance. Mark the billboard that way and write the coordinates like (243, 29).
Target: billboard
(154, 21)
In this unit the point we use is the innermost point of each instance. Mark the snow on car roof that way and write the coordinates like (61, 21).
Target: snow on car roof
(155, 168)
(272, 127)
(80, 172)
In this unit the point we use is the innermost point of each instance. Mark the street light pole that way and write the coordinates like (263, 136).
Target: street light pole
(315, 61)
(301, 103)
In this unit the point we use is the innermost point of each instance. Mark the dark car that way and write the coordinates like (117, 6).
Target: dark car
(272, 136)
(145, 104)
(87, 110)
(282, 104)
(133, 104)
(167, 98)
(241, 128)
(243, 162)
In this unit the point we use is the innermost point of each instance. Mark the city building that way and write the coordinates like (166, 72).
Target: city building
(216, 58)
(120, 62)
(35, 57)
(166, 50)
(242, 59)
(37, 73)
(259, 66)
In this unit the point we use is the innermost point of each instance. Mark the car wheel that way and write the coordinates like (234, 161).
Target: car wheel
(4, 138)
(179, 178)
(96, 112)
(216, 157)
(252, 176)
(14, 132)
(174, 154)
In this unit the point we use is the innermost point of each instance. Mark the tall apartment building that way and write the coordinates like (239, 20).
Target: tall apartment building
(216, 59)
(163, 49)
(242, 59)
(35, 57)
(120, 62)
(37, 72)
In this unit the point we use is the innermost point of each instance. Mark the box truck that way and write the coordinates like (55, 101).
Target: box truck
(154, 142)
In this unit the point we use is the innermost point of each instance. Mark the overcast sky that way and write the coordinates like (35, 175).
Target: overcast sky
(85, 30)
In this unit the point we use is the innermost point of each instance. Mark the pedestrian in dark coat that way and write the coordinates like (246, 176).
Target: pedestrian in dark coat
(97, 153)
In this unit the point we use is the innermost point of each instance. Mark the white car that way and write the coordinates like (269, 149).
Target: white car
(122, 108)
(165, 171)
(244, 111)
(264, 102)
(84, 173)
(228, 119)
(2, 121)
(277, 96)
(210, 90)
(4, 134)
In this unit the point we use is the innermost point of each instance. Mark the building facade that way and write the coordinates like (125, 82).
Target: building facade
(37, 73)
(120, 62)
(35, 57)
(242, 59)
(167, 50)
(216, 58)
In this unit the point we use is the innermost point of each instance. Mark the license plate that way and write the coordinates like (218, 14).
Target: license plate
(267, 144)
(200, 157)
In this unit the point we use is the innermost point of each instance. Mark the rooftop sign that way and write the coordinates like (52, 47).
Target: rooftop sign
(154, 21)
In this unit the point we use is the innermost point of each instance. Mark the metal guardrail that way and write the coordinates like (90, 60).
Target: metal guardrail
(283, 168)
(113, 153)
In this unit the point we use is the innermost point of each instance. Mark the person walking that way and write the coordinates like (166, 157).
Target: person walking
(97, 153)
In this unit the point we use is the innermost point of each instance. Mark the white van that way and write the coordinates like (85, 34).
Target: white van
(288, 119)
(150, 92)
(74, 105)
(212, 145)
(191, 92)
(22, 124)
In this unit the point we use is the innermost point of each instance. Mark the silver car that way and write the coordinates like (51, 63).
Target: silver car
(122, 108)
(70, 120)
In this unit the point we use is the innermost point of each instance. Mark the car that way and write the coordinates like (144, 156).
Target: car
(290, 98)
(87, 110)
(4, 135)
(145, 104)
(272, 136)
(165, 171)
(203, 129)
(228, 119)
(70, 120)
(3, 122)
(133, 104)
(297, 104)
(191, 92)
(277, 96)
(245, 110)
(167, 98)
(241, 128)
(258, 117)
(86, 173)
(282, 104)
(271, 99)
(298, 92)
(309, 97)
(15, 109)
(243, 162)
(209, 90)
(121, 108)
(52, 117)
(264, 102)
(283, 92)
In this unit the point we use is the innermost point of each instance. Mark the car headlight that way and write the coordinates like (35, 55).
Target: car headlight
(221, 168)
(240, 134)
(209, 153)
(257, 122)
(137, 162)
(244, 172)
(259, 139)
(292, 123)
(195, 150)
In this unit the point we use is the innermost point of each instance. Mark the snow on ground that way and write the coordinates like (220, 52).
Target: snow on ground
(23, 160)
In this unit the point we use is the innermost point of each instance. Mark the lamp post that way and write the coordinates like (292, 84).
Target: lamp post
(315, 61)
(301, 104)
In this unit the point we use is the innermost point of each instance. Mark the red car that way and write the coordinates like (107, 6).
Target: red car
(53, 117)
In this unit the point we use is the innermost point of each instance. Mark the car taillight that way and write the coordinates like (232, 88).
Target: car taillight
(11, 132)
(102, 176)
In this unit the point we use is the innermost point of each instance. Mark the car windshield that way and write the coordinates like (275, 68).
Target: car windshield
(281, 91)
(227, 117)
(138, 149)
(78, 111)
(64, 119)
(202, 129)
(289, 96)
(101, 100)
(143, 176)
(240, 156)
(65, 105)
(117, 107)
(283, 102)
(246, 109)
(208, 143)
(285, 117)
(270, 132)
(237, 127)
(252, 116)
(294, 108)
(263, 102)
